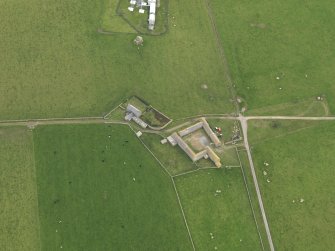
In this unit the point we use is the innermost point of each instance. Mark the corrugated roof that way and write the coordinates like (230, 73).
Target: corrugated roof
(134, 110)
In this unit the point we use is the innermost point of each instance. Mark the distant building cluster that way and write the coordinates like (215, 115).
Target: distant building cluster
(152, 4)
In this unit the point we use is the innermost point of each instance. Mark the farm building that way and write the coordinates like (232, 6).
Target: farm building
(202, 124)
(210, 133)
(171, 140)
(184, 146)
(134, 110)
(140, 122)
(190, 129)
(176, 139)
(212, 155)
(152, 14)
(133, 113)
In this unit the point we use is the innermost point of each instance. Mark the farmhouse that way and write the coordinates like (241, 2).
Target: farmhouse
(132, 113)
(134, 110)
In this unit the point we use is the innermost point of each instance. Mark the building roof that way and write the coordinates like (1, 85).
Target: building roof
(163, 141)
(129, 116)
(190, 129)
(207, 152)
(212, 155)
(134, 110)
(140, 122)
(210, 133)
(183, 145)
(171, 140)
(194, 156)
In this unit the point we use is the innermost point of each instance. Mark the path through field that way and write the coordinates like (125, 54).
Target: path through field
(244, 125)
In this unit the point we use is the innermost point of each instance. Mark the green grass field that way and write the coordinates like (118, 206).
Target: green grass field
(19, 227)
(299, 197)
(225, 215)
(112, 21)
(55, 63)
(89, 200)
(291, 40)
(96, 187)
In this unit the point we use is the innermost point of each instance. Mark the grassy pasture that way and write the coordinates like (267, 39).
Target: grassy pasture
(112, 21)
(292, 40)
(55, 63)
(308, 107)
(89, 200)
(173, 158)
(301, 166)
(267, 130)
(225, 215)
(19, 224)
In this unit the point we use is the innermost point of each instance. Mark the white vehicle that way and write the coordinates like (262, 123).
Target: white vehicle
(152, 14)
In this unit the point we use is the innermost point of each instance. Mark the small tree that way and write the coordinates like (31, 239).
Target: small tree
(138, 40)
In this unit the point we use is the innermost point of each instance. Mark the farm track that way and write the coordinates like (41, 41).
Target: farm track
(52, 121)
(101, 120)
(59, 121)
(244, 125)
(289, 118)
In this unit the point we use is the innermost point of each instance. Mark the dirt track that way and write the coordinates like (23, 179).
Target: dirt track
(52, 121)
(244, 125)
(288, 118)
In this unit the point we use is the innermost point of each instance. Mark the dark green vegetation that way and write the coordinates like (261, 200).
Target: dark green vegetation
(19, 227)
(56, 64)
(104, 193)
(292, 40)
(216, 204)
(299, 196)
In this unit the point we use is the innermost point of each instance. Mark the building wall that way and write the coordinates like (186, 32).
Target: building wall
(190, 129)
(210, 133)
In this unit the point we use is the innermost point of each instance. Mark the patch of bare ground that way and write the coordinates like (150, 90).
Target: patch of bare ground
(259, 25)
